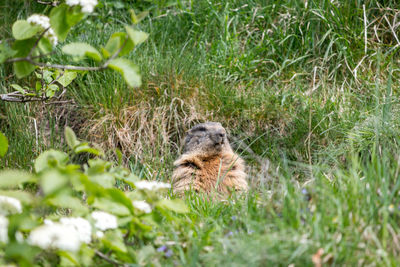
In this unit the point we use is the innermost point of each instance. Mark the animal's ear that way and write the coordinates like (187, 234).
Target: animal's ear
(186, 141)
(188, 137)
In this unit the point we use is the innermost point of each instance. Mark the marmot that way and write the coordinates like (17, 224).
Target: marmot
(208, 162)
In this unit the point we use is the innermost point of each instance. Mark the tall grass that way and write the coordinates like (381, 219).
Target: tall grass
(308, 91)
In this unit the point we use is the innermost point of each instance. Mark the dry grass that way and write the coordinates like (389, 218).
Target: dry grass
(143, 131)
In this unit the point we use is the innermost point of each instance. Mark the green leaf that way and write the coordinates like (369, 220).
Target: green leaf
(70, 137)
(115, 241)
(3, 144)
(128, 70)
(81, 50)
(45, 45)
(98, 166)
(176, 205)
(137, 18)
(13, 178)
(145, 254)
(51, 89)
(118, 4)
(74, 15)
(50, 93)
(70, 202)
(18, 88)
(23, 47)
(47, 76)
(115, 42)
(137, 37)
(50, 158)
(67, 78)
(59, 22)
(38, 86)
(22, 196)
(22, 30)
(5, 52)
(105, 180)
(21, 252)
(110, 206)
(85, 148)
(68, 259)
(120, 197)
(52, 181)
(23, 69)
(131, 179)
(112, 46)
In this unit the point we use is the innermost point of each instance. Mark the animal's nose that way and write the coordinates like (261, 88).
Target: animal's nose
(218, 138)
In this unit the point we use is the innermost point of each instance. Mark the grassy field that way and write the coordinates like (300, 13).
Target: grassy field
(309, 93)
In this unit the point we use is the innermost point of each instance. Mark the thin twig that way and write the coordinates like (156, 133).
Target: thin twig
(58, 77)
(115, 54)
(37, 42)
(54, 66)
(106, 258)
(55, 3)
(59, 102)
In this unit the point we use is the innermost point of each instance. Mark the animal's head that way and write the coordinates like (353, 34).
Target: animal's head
(206, 138)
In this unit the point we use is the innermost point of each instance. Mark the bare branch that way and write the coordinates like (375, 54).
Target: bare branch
(55, 3)
(106, 258)
(37, 42)
(18, 97)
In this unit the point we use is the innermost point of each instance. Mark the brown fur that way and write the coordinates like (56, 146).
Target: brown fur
(208, 162)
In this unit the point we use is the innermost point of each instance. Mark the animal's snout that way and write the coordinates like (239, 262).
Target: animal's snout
(218, 138)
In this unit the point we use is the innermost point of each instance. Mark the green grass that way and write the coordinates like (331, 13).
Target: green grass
(308, 101)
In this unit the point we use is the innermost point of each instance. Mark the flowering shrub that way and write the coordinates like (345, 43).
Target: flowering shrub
(69, 214)
(33, 45)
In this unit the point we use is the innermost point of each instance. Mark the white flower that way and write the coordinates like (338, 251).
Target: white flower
(81, 225)
(99, 234)
(9, 205)
(41, 20)
(151, 185)
(19, 237)
(3, 229)
(56, 236)
(48, 222)
(142, 205)
(87, 5)
(104, 220)
(72, 2)
(52, 36)
(44, 23)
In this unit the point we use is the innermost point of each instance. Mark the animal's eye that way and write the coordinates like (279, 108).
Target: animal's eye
(201, 129)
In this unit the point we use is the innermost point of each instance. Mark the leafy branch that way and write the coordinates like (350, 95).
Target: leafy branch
(31, 60)
(35, 38)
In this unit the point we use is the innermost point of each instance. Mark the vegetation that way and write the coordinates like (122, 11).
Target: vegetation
(308, 90)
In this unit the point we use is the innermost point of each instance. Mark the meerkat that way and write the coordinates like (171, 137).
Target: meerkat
(208, 162)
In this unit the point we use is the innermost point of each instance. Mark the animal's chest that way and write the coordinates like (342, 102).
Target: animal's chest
(212, 170)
